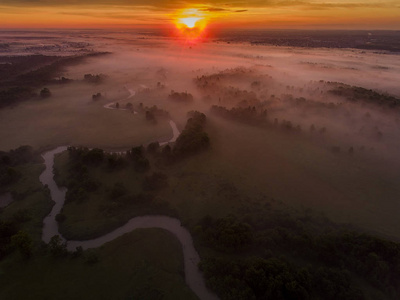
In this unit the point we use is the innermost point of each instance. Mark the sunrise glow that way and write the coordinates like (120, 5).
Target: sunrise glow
(190, 23)
(191, 15)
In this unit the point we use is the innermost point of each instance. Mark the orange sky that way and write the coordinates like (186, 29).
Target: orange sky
(308, 14)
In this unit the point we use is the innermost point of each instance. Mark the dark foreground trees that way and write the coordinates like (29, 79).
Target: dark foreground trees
(9, 162)
(274, 278)
(193, 138)
(276, 255)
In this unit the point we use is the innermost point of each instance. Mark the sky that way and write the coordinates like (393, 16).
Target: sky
(266, 14)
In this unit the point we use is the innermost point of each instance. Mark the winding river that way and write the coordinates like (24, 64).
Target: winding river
(175, 133)
(111, 105)
(175, 130)
(193, 277)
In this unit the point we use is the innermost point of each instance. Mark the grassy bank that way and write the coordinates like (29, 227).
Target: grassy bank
(144, 264)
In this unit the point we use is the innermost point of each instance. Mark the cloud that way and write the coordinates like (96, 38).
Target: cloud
(355, 5)
(213, 9)
(220, 9)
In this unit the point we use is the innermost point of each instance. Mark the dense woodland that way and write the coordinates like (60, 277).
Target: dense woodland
(13, 237)
(268, 253)
(9, 161)
(183, 97)
(248, 115)
(368, 96)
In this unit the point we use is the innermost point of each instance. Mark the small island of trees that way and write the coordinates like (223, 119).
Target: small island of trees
(183, 97)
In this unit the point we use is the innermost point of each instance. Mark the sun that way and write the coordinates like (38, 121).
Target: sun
(190, 23)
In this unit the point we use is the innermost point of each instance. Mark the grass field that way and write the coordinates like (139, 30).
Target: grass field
(144, 264)
(70, 117)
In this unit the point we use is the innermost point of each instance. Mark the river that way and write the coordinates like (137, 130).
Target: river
(193, 277)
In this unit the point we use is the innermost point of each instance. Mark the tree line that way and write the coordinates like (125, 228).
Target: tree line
(9, 162)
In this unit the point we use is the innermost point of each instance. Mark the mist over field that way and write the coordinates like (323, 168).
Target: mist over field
(306, 131)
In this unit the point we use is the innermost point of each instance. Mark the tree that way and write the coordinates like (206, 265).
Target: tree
(150, 117)
(140, 162)
(21, 216)
(115, 161)
(78, 252)
(8, 176)
(193, 138)
(153, 147)
(183, 97)
(96, 97)
(91, 257)
(45, 93)
(23, 242)
(7, 230)
(57, 246)
(117, 191)
(93, 156)
(166, 151)
(155, 182)
(228, 234)
(61, 217)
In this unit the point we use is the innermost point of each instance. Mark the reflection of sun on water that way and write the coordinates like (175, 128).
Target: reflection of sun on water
(191, 23)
